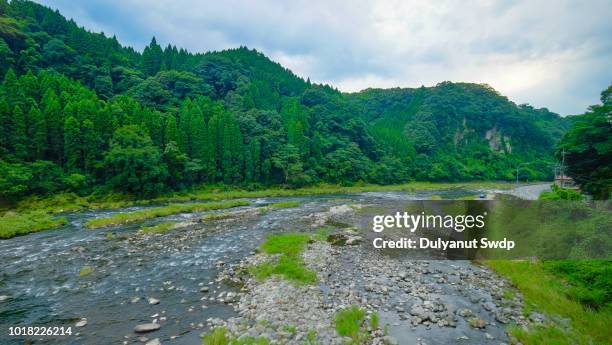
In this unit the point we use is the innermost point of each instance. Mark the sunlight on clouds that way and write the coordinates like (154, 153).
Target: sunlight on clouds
(548, 53)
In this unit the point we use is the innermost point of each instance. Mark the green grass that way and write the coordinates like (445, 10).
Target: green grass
(130, 217)
(85, 271)
(284, 204)
(289, 264)
(20, 223)
(349, 322)
(546, 292)
(160, 228)
(290, 245)
(217, 216)
(374, 320)
(588, 281)
(219, 336)
(292, 269)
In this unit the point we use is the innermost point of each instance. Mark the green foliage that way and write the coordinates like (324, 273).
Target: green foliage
(163, 211)
(590, 281)
(558, 193)
(80, 100)
(588, 148)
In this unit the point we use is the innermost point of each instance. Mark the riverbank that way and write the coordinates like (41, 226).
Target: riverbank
(38, 213)
(571, 322)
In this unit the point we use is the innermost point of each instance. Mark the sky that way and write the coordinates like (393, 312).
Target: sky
(553, 54)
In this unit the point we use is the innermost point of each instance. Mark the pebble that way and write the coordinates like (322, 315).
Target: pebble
(153, 300)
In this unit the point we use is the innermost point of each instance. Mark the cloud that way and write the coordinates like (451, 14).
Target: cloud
(553, 54)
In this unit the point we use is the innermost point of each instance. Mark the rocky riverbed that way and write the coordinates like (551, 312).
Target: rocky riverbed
(417, 301)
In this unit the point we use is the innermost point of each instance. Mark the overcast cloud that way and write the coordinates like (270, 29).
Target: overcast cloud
(554, 54)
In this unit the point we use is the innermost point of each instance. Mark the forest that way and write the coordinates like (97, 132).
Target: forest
(80, 112)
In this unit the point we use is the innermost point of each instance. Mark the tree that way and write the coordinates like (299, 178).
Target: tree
(38, 133)
(171, 132)
(152, 58)
(72, 144)
(588, 149)
(133, 164)
(53, 114)
(18, 134)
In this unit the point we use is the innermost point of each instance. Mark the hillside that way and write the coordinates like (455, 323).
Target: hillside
(81, 112)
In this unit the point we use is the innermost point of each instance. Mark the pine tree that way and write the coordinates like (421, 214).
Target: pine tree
(214, 149)
(5, 127)
(53, 114)
(72, 144)
(18, 136)
(185, 127)
(152, 58)
(90, 145)
(171, 132)
(199, 135)
(255, 151)
(37, 134)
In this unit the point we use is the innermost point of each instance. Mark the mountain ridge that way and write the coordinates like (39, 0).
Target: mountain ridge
(288, 130)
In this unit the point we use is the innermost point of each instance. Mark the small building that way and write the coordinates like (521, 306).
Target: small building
(565, 181)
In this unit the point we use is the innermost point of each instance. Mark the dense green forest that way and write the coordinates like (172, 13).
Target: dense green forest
(80, 112)
(586, 148)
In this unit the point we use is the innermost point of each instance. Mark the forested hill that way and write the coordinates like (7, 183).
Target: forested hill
(81, 112)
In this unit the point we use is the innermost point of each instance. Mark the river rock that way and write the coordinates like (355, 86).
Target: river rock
(204, 289)
(146, 327)
(478, 323)
(81, 323)
(4, 298)
(153, 342)
(389, 340)
(153, 300)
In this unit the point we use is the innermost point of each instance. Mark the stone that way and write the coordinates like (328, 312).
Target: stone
(4, 298)
(147, 327)
(153, 300)
(204, 289)
(153, 342)
(389, 340)
(478, 323)
(81, 323)
(465, 312)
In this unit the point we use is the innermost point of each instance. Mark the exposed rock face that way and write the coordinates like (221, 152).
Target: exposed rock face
(497, 141)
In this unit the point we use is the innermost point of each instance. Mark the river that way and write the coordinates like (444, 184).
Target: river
(40, 272)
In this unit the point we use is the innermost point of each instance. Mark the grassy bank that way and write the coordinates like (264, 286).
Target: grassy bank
(34, 213)
(131, 217)
(549, 293)
(15, 224)
(67, 202)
